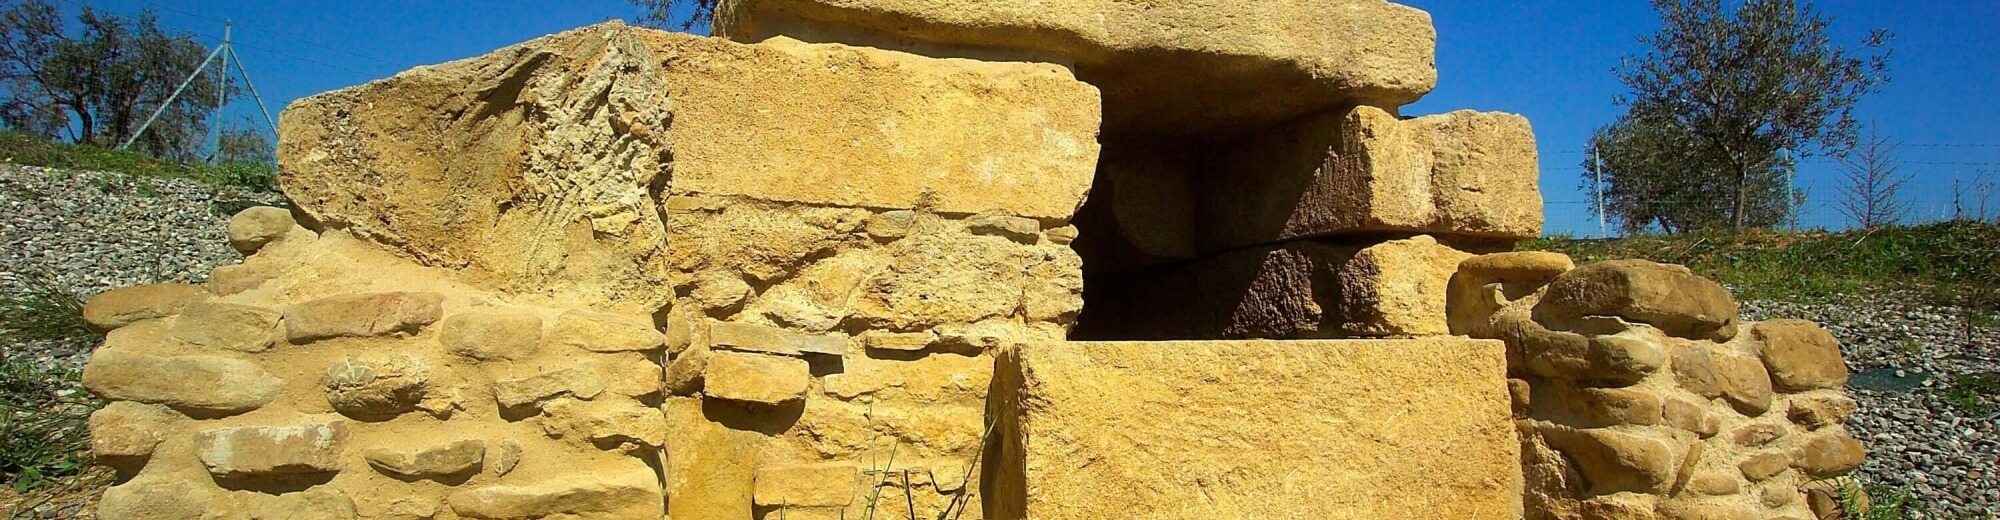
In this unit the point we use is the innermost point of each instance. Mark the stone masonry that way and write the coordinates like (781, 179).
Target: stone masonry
(830, 266)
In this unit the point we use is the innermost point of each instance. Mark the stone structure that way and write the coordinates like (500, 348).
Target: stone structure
(830, 267)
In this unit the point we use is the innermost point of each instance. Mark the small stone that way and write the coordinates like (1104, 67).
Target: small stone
(680, 332)
(720, 291)
(1758, 434)
(1828, 498)
(1625, 506)
(154, 498)
(120, 307)
(1828, 455)
(236, 279)
(202, 385)
(432, 462)
(600, 494)
(227, 326)
(1745, 384)
(502, 457)
(1763, 466)
(1801, 355)
(251, 229)
(376, 386)
(1777, 494)
(1714, 484)
(1710, 511)
(264, 451)
(1061, 236)
(1521, 397)
(1615, 406)
(891, 225)
(598, 332)
(1019, 229)
(362, 315)
(898, 341)
(319, 503)
(124, 433)
(1691, 416)
(400, 508)
(1618, 358)
(1668, 297)
(816, 485)
(578, 382)
(1613, 461)
(1817, 412)
(684, 375)
(756, 378)
(1694, 369)
(750, 337)
(492, 335)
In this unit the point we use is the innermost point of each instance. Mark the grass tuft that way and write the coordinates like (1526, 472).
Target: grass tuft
(44, 430)
(44, 312)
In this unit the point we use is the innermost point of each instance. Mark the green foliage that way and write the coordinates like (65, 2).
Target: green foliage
(44, 312)
(1721, 104)
(1955, 263)
(1970, 392)
(44, 429)
(21, 148)
(1879, 502)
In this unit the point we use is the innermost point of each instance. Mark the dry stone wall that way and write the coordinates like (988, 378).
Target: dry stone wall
(1638, 395)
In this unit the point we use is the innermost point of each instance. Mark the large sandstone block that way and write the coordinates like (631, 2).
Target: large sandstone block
(1463, 173)
(1301, 289)
(1315, 429)
(1194, 66)
(543, 167)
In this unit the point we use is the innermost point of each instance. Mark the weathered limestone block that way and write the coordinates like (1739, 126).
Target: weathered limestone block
(120, 307)
(362, 315)
(710, 467)
(202, 385)
(1665, 296)
(228, 326)
(1198, 67)
(816, 485)
(123, 434)
(1302, 289)
(457, 458)
(234, 279)
(1486, 283)
(1463, 173)
(1800, 355)
(492, 335)
(580, 382)
(1138, 430)
(1819, 411)
(605, 423)
(1828, 455)
(599, 332)
(750, 337)
(756, 378)
(616, 492)
(242, 452)
(574, 200)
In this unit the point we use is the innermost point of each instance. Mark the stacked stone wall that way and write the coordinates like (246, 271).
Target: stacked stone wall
(1638, 394)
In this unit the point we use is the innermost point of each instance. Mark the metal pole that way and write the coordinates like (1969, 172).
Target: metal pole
(222, 93)
(170, 98)
(253, 91)
(1597, 162)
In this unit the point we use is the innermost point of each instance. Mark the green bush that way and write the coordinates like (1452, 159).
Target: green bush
(44, 424)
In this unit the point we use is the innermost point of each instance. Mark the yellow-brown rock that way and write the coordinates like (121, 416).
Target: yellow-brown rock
(573, 199)
(1463, 173)
(1218, 430)
(120, 307)
(1800, 355)
(1201, 66)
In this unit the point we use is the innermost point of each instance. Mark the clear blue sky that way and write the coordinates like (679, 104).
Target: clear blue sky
(1549, 60)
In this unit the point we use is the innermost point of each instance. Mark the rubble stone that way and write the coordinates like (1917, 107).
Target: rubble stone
(756, 378)
(1800, 355)
(266, 451)
(362, 315)
(227, 326)
(491, 336)
(195, 384)
(120, 307)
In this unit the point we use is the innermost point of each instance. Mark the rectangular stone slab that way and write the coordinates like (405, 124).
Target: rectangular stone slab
(1361, 429)
(1464, 173)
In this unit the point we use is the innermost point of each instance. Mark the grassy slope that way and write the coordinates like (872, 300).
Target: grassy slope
(1954, 262)
(24, 149)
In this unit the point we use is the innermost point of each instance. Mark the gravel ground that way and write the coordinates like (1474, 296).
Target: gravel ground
(92, 232)
(1905, 357)
(89, 232)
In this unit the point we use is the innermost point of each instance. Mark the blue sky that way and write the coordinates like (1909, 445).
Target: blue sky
(1549, 60)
